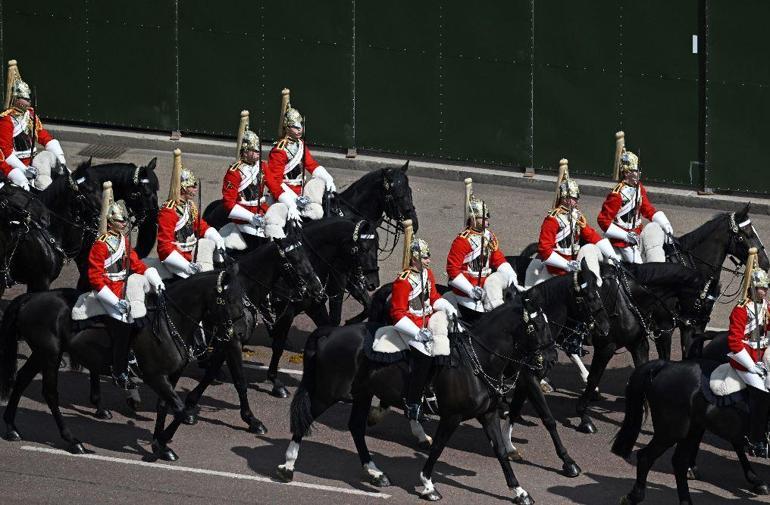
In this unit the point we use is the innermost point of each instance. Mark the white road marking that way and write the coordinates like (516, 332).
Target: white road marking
(216, 473)
(290, 371)
(712, 328)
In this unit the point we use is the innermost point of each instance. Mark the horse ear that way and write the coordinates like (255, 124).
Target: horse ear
(151, 165)
(405, 167)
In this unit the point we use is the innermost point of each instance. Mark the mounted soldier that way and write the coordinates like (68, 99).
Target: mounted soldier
(186, 243)
(566, 237)
(623, 209)
(476, 266)
(419, 313)
(285, 176)
(748, 342)
(20, 132)
(242, 190)
(119, 280)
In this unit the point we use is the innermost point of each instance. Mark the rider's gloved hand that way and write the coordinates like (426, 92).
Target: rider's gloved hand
(194, 268)
(31, 172)
(477, 293)
(425, 335)
(632, 238)
(258, 221)
(122, 306)
(574, 266)
(302, 202)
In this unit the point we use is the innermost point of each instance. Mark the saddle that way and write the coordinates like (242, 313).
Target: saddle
(386, 345)
(722, 387)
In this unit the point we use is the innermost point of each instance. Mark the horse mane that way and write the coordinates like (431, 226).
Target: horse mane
(120, 174)
(702, 233)
(365, 180)
(665, 274)
(55, 192)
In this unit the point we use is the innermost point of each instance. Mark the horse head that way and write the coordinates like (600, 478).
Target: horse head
(225, 305)
(585, 284)
(744, 236)
(398, 195)
(539, 338)
(297, 263)
(142, 197)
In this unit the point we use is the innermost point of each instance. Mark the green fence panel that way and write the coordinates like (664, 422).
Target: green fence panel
(576, 83)
(311, 55)
(485, 76)
(738, 90)
(48, 40)
(397, 77)
(221, 67)
(660, 89)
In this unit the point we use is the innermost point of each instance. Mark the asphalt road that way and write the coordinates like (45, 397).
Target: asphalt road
(221, 462)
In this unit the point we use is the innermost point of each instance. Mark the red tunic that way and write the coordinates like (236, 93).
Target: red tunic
(7, 138)
(244, 197)
(276, 167)
(555, 236)
(98, 271)
(465, 255)
(171, 231)
(406, 300)
(741, 332)
(621, 199)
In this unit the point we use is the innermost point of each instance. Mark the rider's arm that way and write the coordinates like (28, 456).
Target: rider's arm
(167, 219)
(609, 210)
(547, 238)
(137, 265)
(230, 196)
(647, 209)
(8, 159)
(399, 308)
(273, 177)
(96, 277)
(497, 257)
(434, 294)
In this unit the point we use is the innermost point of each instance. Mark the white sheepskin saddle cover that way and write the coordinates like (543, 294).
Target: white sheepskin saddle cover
(724, 380)
(232, 237)
(388, 340)
(88, 305)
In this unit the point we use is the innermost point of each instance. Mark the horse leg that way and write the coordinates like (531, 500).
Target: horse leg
(759, 486)
(663, 346)
(595, 396)
(538, 401)
(215, 361)
(164, 388)
(234, 358)
(304, 410)
(683, 454)
(96, 396)
(357, 427)
(23, 378)
(446, 427)
(514, 411)
(645, 458)
(51, 395)
(492, 429)
(602, 357)
(279, 334)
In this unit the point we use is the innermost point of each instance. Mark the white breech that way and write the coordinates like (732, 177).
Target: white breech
(494, 287)
(136, 289)
(438, 324)
(44, 162)
(650, 247)
(537, 272)
(275, 220)
(314, 190)
(205, 256)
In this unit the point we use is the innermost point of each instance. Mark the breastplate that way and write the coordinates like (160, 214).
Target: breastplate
(22, 142)
(251, 192)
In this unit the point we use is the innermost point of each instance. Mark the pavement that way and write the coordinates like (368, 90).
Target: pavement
(221, 462)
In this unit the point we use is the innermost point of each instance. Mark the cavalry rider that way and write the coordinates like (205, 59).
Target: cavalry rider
(473, 256)
(620, 217)
(20, 130)
(747, 340)
(419, 313)
(242, 187)
(285, 175)
(564, 229)
(181, 228)
(121, 295)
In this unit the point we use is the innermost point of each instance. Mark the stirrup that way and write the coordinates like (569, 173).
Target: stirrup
(123, 381)
(412, 410)
(757, 449)
(431, 402)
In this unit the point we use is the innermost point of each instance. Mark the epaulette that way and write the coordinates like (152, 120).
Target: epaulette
(465, 233)
(744, 302)
(103, 237)
(7, 112)
(234, 166)
(618, 187)
(170, 204)
(555, 212)
(281, 144)
(404, 275)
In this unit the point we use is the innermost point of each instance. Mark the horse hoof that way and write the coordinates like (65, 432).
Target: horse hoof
(12, 436)
(190, 419)
(516, 456)
(380, 480)
(424, 445)
(132, 404)
(571, 469)
(524, 499)
(77, 448)
(625, 501)
(587, 427)
(164, 452)
(103, 414)
(284, 474)
(596, 396)
(762, 489)
(431, 496)
(693, 473)
(376, 414)
(279, 391)
(257, 427)
(545, 387)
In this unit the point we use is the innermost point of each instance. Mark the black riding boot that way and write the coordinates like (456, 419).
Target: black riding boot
(420, 370)
(759, 403)
(120, 336)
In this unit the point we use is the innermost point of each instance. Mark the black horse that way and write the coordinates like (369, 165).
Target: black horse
(489, 359)
(378, 195)
(259, 273)
(644, 302)
(680, 416)
(344, 255)
(42, 230)
(163, 347)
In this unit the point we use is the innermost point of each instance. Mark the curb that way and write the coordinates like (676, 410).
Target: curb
(217, 147)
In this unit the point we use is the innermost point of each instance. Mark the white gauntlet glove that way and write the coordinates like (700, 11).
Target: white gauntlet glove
(325, 176)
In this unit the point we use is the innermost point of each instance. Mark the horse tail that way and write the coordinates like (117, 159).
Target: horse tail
(9, 345)
(636, 407)
(301, 412)
(529, 251)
